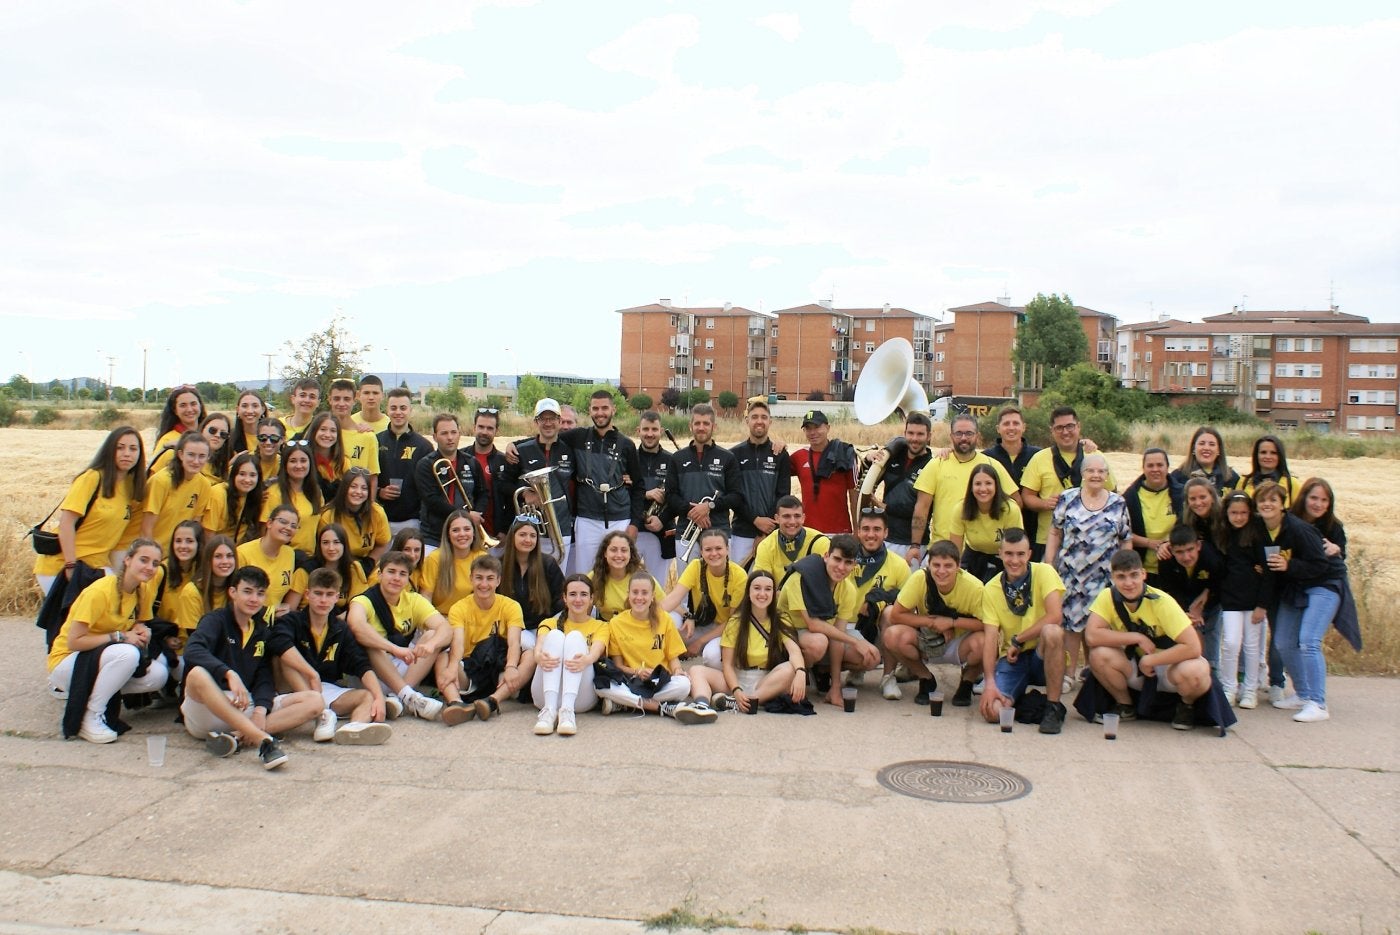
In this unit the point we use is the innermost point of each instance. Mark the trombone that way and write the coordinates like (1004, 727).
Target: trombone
(445, 473)
(691, 534)
(538, 481)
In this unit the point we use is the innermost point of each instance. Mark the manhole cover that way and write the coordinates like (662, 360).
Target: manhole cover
(951, 781)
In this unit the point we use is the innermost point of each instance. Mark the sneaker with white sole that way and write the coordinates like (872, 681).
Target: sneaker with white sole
(94, 729)
(1249, 700)
(420, 705)
(1311, 712)
(363, 733)
(325, 727)
(607, 707)
(977, 688)
(668, 709)
(221, 744)
(567, 725)
(1276, 694)
(1289, 702)
(544, 724)
(694, 712)
(457, 712)
(722, 701)
(393, 707)
(270, 753)
(889, 688)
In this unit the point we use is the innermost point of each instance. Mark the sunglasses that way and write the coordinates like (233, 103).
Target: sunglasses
(357, 471)
(530, 518)
(488, 412)
(269, 439)
(216, 433)
(299, 443)
(872, 511)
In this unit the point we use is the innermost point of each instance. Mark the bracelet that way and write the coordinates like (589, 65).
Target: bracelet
(800, 668)
(70, 565)
(734, 689)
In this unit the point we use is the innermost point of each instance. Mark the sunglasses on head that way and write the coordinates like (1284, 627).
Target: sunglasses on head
(486, 411)
(527, 518)
(299, 443)
(872, 511)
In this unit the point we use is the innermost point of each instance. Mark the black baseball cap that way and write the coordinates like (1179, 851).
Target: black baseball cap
(815, 417)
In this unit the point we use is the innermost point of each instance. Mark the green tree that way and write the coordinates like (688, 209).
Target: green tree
(84, 393)
(1050, 335)
(447, 399)
(326, 355)
(530, 390)
(697, 396)
(582, 395)
(728, 400)
(641, 402)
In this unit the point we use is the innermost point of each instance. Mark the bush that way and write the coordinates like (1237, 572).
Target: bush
(8, 412)
(698, 396)
(108, 417)
(44, 416)
(728, 400)
(641, 402)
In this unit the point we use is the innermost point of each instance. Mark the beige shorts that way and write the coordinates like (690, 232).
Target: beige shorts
(200, 722)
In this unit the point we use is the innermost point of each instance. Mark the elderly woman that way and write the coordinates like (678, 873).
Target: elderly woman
(1089, 523)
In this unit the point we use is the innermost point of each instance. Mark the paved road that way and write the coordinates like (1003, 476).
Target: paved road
(769, 821)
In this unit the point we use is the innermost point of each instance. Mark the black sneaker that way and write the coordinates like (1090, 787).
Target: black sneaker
(1126, 712)
(1185, 717)
(1054, 718)
(271, 755)
(926, 687)
(222, 744)
(823, 679)
(962, 698)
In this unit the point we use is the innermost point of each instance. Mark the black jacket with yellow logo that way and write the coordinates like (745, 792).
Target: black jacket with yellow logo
(217, 645)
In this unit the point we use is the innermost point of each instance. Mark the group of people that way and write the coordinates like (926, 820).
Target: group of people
(341, 569)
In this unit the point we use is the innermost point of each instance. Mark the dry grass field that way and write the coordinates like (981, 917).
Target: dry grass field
(42, 463)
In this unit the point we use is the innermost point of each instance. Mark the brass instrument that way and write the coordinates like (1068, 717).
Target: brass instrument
(447, 477)
(691, 535)
(870, 474)
(538, 482)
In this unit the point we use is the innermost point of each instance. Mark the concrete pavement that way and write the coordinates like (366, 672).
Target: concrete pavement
(770, 822)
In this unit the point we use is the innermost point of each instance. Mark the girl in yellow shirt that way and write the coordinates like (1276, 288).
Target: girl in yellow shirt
(410, 542)
(207, 590)
(362, 518)
(326, 449)
(332, 551)
(235, 506)
(761, 658)
(249, 411)
(110, 615)
(618, 559)
(568, 645)
(269, 449)
(447, 573)
(183, 412)
(297, 487)
(178, 492)
(642, 639)
(987, 512)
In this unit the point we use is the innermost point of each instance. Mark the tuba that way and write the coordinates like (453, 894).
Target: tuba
(538, 481)
(886, 385)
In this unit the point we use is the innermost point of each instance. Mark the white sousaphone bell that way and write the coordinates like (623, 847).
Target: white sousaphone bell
(887, 383)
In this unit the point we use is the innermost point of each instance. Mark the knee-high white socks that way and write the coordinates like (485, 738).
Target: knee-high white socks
(559, 688)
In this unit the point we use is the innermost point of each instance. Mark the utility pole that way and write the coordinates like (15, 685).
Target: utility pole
(268, 388)
(111, 372)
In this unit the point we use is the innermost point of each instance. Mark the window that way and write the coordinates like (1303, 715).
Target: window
(1148, 338)
(709, 364)
(1371, 371)
(1185, 344)
(1372, 423)
(870, 324)
(671, 340)
(1283, 344)
(1261, 394)
(1298, 370)
(709, 384)
(1373, 345)
(939, 339)
(938, 376)
(1149, 358)
(709, 324)
(1371, 397)
(1298, 396)
(1199, 370)
(709, 344)
(869, 347)
(833, 344)
(774, 333)
(938, 357)
(1104, 353)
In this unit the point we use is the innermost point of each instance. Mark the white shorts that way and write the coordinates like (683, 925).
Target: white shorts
(527, 639)
(200, 722)
(331, 691)
(1135, 681)
(749, 679)
(950, 655)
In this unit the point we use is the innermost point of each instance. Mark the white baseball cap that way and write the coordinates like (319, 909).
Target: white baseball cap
(547, 405)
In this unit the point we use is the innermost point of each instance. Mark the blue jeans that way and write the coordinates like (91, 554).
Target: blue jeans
(1012, 677)
(1299, 632)
(1210, 640)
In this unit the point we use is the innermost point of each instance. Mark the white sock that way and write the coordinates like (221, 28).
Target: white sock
(406, 693)
(551, 699)
(569, 699)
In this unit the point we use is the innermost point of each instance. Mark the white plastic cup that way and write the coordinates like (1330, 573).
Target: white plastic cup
(1110, 727)
(1008, 719)
(848, 699)
(155, 749)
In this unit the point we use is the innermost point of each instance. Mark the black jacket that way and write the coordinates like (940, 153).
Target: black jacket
(398, 456)
(604, 460)
(1135, 520)
(658, 473)
(435, 505)
(900, 474)
(1184, 587)
(713, 472)
(1246, 582)
(340, 655)
(216, 646)
(532, 457)
(763, 477)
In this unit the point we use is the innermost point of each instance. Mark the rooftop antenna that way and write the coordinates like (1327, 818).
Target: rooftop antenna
(1244, 303)
(1332, 294)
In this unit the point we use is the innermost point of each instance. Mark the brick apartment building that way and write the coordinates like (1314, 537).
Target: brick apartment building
(1321, 370)
(717, 349)
(820, 349)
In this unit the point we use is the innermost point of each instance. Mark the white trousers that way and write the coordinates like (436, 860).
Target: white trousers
(649, 548)
(1236, 630)
(560, 680)
(740, 548)
(678, 689)
(588, 535)
(114, 674)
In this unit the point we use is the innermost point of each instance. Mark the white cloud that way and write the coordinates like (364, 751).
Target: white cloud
(649, 48)
(787, 25)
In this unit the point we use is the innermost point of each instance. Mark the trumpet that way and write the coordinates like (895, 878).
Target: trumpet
(538, 482)
(691, 535)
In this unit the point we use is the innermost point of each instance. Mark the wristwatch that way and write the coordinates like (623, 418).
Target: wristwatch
(1016, 641)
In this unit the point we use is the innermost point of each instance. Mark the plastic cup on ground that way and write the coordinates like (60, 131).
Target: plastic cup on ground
(1008, 718)
(155, 749)
(848, 699)
(1110, 727)
(935, 704)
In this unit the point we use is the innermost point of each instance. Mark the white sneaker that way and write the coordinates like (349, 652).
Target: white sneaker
(544, 724)
(607, 706)
(1276, 695)
(1312, 711)
(393, 707)
(363, 733)
(423, 706)
(889, 688)
(1290, 702)
(977, 689)
(95, 730)
(567, 726)
(1249, 700)
(852, 678)
(1232, 698)
(694, 712)
(325, 727)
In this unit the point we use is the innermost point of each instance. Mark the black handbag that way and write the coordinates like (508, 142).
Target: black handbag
(45, 541)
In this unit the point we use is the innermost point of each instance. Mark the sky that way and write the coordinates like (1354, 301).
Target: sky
(479, 185)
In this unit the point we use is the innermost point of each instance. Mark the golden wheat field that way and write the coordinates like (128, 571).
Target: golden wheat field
(42, 463)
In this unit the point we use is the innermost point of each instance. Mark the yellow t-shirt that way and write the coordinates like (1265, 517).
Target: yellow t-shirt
(1044, 581)
(983, 533)
(1040, 477)
(361, 450)
(595, 631)
(301, 580)
(477, 622)
(412, 612)
(1289, 484)
(305, 539)
(638, 645)
(892, 573)
(187, 606)
(946, 481)
(724, 596)
(773, 555)
(792, 605)
(279, 568)
(461, 577)
(1158, 520)
(217, 521)
(376, 426)
(611, 598)
(105, 609)
(104, 526)
(1163, 616)
(965, 597)
(756, 655)
(173, 505)
(365, 535)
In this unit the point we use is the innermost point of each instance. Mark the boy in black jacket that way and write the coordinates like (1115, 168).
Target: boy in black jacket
(316, 652)
(229, 694)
